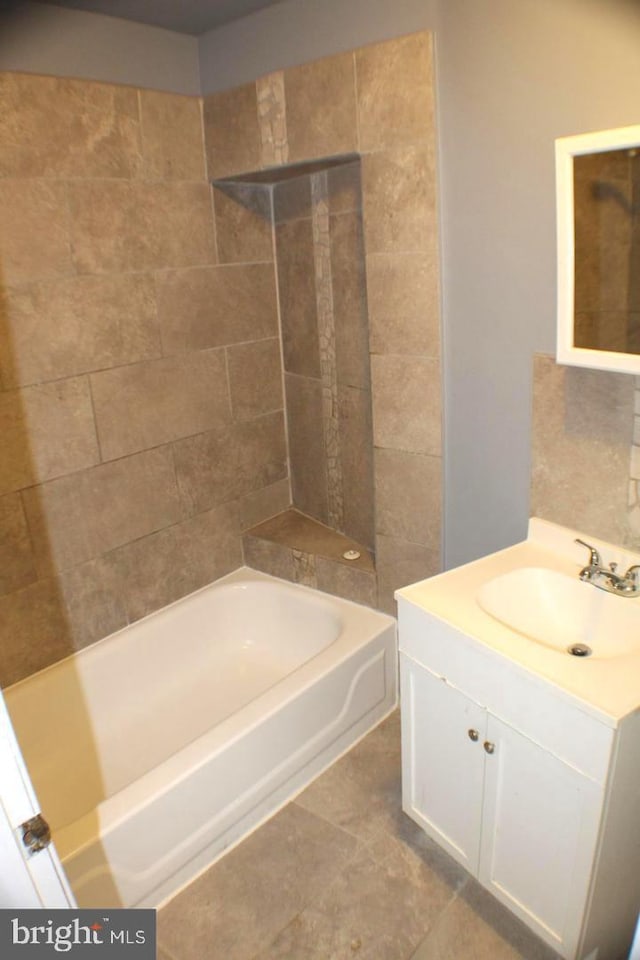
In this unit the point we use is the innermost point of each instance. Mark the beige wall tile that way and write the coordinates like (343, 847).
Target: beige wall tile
(228, 463)
(17, 565)
(215, 306)
(344, 185)
(34, 238)
(297, 295)
(306, 445)
(265, 503)
(400, 562)
(243, 223)
(343, 581)
(82, 516)
(172, 140)
(356, 458)
(395, 92)
(321, 108)
(406, 404)
(93, 599)
(292, 199)
(34, 631)
(232, 136)
(123, 226)
(399, 199)
(66, 327)
(269, 557)
(348, 283)
(104, 545)
(581, 418)
(408, 490)
(403, 302)
(167, 565)
(47, 431)
(59, 127)
(131, 196)
(255, 378)
(146, 404)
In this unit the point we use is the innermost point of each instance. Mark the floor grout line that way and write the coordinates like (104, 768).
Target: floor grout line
(437, 922)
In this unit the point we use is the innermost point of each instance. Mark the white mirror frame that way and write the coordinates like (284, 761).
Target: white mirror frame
(566, 149)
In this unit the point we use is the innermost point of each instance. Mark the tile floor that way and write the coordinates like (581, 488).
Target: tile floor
(341, 873)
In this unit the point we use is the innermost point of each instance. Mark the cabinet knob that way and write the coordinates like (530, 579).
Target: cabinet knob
(489, 747)
(473, 735)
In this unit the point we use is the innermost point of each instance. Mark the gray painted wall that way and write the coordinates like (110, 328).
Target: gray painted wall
(297, 31)
(513, 76)
(36, 38)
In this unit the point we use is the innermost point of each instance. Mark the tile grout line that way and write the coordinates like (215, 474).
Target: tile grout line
(437, 922)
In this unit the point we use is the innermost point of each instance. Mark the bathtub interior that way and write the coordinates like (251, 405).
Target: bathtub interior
(117, 709)
(109, 728)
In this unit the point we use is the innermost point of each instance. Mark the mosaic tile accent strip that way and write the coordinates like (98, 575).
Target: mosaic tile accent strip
(272, 120)
(634, 467)
(327, 344)
(633, 501)
(304, 568)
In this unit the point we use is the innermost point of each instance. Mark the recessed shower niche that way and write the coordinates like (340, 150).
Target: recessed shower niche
(313, 214)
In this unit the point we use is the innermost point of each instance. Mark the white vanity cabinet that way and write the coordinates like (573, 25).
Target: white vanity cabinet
(517, 817)
(521, 786)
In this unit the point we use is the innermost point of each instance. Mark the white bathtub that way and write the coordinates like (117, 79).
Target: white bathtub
(157, 748)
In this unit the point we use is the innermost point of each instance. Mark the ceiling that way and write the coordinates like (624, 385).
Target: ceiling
(185, 16)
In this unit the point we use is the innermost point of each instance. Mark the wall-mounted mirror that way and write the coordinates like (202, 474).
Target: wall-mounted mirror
(598, 203)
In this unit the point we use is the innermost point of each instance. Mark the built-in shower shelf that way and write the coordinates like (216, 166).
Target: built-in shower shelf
(296, 547)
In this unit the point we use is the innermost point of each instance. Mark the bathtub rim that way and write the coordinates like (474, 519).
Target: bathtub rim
(241, 573)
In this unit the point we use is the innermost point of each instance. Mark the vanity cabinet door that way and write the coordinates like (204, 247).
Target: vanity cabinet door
(539, 834)
(443, 732)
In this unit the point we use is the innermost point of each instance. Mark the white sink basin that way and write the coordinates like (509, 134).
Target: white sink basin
(528, 604)
(559, 612)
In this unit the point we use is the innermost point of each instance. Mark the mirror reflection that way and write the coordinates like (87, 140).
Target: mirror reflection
(606, 187)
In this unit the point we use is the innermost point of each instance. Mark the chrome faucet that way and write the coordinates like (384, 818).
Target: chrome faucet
(606, 578)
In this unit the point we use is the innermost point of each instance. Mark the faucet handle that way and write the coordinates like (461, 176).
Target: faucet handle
(633, 574)
(594, 556)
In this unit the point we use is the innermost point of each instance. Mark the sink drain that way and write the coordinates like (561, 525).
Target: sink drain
(579, 650)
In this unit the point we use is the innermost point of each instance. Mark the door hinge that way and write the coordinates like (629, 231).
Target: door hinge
(36, 834)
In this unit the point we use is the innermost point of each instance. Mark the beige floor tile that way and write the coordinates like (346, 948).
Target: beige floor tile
(408, 848)
(361, 793)
(249, 896)
(301, 888)
(373, 911)
(163, 955)
(477, 927)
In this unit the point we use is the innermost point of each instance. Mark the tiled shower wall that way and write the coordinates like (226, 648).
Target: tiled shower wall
(323, 311)
(141, 420)
(377, 102)
(141, 408)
